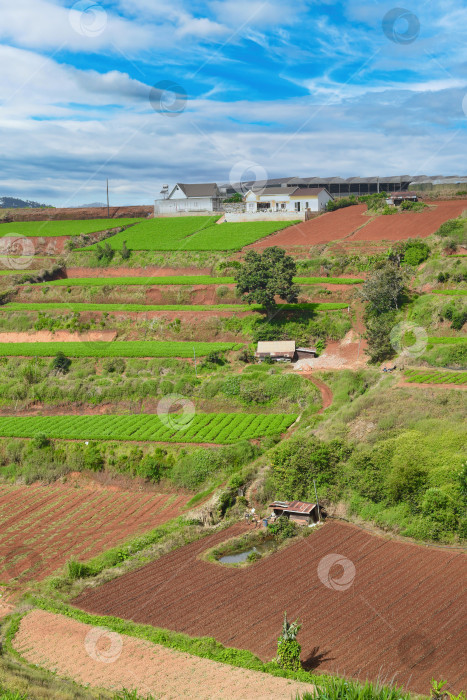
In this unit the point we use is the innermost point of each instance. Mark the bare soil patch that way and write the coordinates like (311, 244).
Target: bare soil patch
(57, 337)
(379, 609)
(76, 272)
(41, 527)
(348, 353)
(74, 650)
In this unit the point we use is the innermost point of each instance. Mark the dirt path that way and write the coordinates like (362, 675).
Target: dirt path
(78, 651)
(326, 393)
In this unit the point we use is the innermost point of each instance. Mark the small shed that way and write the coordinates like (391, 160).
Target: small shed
(397, 198)
(280, 350)
(306, 353)
(297, 511)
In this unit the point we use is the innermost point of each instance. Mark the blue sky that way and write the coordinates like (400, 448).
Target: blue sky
(148, 92)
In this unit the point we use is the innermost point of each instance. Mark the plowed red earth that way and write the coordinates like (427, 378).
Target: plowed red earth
(41, 527)
(390, 611)
(347, 224)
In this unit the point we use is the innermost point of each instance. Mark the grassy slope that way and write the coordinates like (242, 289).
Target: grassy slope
(62, 228)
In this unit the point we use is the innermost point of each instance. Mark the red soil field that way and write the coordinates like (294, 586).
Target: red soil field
(70, 214)
(41, 527)
(385, 610)
(347, 224)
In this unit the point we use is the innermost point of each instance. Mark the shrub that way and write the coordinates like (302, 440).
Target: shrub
(283, 528)
(416, 252)
(61, 363)
(115, 365)
(288, 649)
(93, 459)
(253, 556)
(40, 440)
(76, 569)
(125, 252)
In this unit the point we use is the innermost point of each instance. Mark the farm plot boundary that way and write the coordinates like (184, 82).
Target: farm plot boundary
(78, 306)
(217, 428)
(180, 280)
(47, 229)
(122, 348)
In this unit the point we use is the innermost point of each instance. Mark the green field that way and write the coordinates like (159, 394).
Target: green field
(62, 228)
(450, 292)
(193, 233)
(130, 348)
(221, 428)
(429, 377)
(177, 280)
(446, 340)
(18, 306)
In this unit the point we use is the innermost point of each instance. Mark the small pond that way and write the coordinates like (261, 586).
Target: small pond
(240, 557)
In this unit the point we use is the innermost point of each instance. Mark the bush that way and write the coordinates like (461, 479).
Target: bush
(282, 528)
(40, 440)
(416, 252)
(115, 365)
(61, 363)
(77, 570)
(125, 252)
(341, 203)
(93, 459)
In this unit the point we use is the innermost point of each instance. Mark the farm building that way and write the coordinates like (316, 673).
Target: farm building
(397, 198)
(293, 201)
(279, 350)
(297, 511)
(193, 199)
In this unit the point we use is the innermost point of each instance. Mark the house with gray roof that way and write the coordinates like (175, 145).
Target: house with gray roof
(198, 198)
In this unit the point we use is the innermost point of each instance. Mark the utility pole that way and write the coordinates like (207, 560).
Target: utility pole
(194, 357)
(317, 502)
(108, 209)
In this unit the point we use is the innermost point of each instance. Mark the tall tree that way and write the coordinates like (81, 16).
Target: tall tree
(263, 276)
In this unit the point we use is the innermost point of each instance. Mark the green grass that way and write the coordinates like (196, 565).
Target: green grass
(193, 233)
(450, 292)
(429, 377)
(130, 348)
(445, 340)
(11, 272)
(219, 428)
(178, 280)
(62, 228)
(19, 306)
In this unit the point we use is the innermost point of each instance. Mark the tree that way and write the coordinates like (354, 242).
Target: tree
(264, 276)
(383, 290)
(125, 252)
(61, 363)
(288, 649)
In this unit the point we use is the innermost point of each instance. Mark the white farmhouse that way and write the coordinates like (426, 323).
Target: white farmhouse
(192, 199)
(285, 202)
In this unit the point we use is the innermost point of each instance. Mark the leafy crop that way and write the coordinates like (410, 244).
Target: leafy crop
(131, 348)
(63, 228)
(19, 306)
(427, 377)
(182, 280)
(193, 233)
(220, 428)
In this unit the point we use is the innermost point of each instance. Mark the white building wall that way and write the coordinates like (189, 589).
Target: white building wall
(185, 204)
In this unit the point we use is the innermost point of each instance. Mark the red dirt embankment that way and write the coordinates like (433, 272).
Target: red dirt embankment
(353, 224)
(88, 656)
(70, 214)
(76, 272)
(371, 607)
(57, 337)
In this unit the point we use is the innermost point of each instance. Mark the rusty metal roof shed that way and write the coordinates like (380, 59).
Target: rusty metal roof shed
(299, 507)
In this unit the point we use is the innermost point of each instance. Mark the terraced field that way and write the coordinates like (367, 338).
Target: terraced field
(193, 233)
(175, 280)
(46, 229)
(370, 607)
(130, 348)
(431, 377)
(49, 306)
(219, 428)
(42, 526)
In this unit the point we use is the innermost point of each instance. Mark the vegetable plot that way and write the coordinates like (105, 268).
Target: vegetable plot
(421, 377)
(220, 428)
(124, 348)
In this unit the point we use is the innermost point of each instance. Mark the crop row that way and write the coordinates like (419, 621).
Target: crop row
(19, 306)
(221, 428)
(178, 280)
(447, 340)
(194, 233)
(419, 377)
(130, 348)
(62, 228)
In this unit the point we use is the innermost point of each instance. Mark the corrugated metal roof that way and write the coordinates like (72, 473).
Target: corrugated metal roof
(307, 191)
(206, 189)
(276, 346)
(294, 507)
